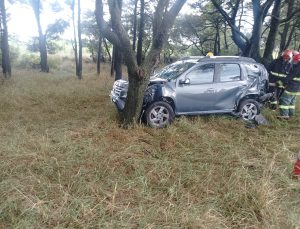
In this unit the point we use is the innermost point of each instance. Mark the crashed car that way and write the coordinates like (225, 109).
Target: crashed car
(201, 85)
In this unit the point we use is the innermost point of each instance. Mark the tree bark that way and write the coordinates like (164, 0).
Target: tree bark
(118, 64)
(112, 64)
(253, 48)
(107, 50)
(6, 66)
(139, 55)
(134, 25)
(217, 45)
(79, 70)
(249, 47)
(99, 56)
(42, 38)
(284, 35)
(270, 44)
(75, 45)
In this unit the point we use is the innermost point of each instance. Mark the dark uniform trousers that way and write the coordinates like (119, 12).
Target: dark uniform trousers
(287, 102)
(278, 70)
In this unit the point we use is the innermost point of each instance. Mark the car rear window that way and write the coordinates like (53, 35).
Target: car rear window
(253, 70)
(230, 72)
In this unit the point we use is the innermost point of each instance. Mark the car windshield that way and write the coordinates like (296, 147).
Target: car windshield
(174, 70)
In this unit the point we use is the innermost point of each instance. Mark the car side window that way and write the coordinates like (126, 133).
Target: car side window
(230, 72)
(202, 74)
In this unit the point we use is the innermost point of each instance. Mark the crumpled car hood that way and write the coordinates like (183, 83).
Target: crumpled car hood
(154, 80)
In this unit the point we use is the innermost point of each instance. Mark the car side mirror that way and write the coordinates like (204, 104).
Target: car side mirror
(185, 81)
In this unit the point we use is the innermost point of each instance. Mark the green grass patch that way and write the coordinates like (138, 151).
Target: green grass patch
(65, 162)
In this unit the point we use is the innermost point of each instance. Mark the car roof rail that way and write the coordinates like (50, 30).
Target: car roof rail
(191, 57)
(232, 58)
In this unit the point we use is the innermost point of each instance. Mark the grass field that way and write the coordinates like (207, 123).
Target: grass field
(66, 163)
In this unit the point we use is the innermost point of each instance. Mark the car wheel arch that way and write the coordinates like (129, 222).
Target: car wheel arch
(243, 98)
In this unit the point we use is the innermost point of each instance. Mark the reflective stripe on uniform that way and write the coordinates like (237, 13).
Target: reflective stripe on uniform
(283, 107)
(292, 93)
(297, 79)
(272, 84)
(273, 102)
(280, 84)
(278, 74)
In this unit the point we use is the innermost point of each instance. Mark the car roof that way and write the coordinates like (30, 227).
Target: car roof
(218, 58)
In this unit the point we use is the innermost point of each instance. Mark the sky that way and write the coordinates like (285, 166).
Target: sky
(22, 22)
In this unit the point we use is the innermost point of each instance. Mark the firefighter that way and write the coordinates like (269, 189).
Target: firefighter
(288, 99)
(278, 70)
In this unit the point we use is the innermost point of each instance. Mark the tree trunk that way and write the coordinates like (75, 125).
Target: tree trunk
(42, 38)
(138, 76)
(134, 25)
(79, 71)
(270, 44)
(99, 56)
(249, 47)
(117, 51)
(6, 66)
(107, 50)
(77, 39)
(253, 49)
(283, 37)
(290, 36)
(112, 64)
(43, 53)
(217, 44)
(118, 64)
(139, 55)
(75, 45)
(225, 37)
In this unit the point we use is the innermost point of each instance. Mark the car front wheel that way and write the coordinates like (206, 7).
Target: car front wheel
(248, 109)
(159, 114)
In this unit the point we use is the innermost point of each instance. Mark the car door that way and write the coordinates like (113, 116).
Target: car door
(195, 90)
(229, 86)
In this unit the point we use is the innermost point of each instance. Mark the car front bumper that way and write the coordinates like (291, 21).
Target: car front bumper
(119, 102)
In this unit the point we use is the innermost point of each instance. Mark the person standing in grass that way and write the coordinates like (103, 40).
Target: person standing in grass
(287, 102)
(278, 70)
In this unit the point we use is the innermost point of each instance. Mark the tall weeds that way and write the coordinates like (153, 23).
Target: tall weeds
(65, 162)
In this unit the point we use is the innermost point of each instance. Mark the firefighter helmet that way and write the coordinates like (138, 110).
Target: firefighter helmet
(296, 59)
(209, 54)
(287, 55)
(295, 52)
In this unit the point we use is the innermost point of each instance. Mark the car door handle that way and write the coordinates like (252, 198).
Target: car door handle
(210, 90)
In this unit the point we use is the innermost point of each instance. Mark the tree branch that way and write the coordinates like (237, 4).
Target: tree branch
(103, 25)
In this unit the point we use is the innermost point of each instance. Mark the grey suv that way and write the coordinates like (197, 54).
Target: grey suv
(201, 85)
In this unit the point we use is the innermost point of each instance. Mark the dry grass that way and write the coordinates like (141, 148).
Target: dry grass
(65, 162)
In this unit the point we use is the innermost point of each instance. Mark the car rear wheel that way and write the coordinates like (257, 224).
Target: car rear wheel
(248, 109)
(159, 114)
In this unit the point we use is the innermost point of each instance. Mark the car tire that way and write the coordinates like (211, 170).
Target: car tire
(248, 109)
(159, 114)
